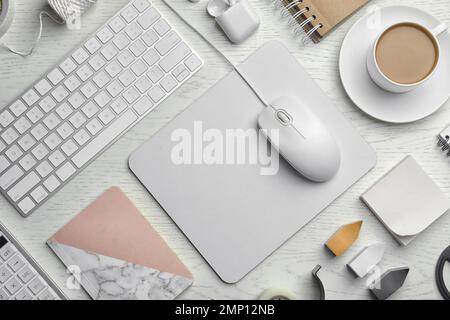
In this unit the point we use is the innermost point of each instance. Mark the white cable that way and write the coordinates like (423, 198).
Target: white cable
(67, 11)
(216, 49)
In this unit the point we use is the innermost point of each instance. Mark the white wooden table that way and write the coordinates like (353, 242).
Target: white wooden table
(290, 266)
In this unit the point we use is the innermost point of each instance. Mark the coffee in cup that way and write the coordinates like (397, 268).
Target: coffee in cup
(404, 56)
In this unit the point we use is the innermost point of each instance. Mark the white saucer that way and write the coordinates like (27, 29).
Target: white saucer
(371, 99)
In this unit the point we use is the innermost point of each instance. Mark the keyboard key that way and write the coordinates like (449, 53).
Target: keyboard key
(46, 295)
(40, 152)
(92, 45)
(6, 118)
(97, 62)
(125, 58)
(52, 141)
(127, 78)
(6, 253)
(141, 5)
(39, 194)
(68, 66)
(156, 93)
(137, 48)
(56, 158)
(60, 93)
(106, 116)
(65, 172)
(151, 57)
(14, 153)
(5, 274)
(102, 99)
(10, 177)
(104, 138)
(105, 35)
(4, 163)
(47, 104)
(2, 146)
(131, 95)
(13, 285)
(44, 169)
(30, 97)
(109, 52)
(150, 37)
(167, 43)
(24, 294)
(55, 76)
(65, 130)
(81, 137)
(10, 135)
(121, 41)
(27, 162)
(72, 83)
(16, 262)
(101, 79)
(149, 18)
(52, 183)
(113, 69)
(36, 286)
(69, 148)
(143, 84)
(115, 88)
(129, 14)
(155, 74)
(143, 105)
(35, 114)
(174, 57)
(85, 72)
(64, 110)
(27, 142)
(52, 121)
(26, 205)
(18, 108)
(43, 87)
(76, 100)
(89, 89)
(3, 295)
(77, 120)
(162, 27)
(94, 126)
(39, 132)
(26, 274)
(193, 63)
(24, 186)
(90, 109)
(133, 31)
(168, 83)
(119, 105)
(180, 73)
(139, 68)
(22, 125)
(117, 24)
(80, 55)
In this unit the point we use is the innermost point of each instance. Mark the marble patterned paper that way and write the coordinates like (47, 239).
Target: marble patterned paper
(109, 278)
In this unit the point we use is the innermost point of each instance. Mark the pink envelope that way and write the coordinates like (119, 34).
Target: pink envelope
(118, 253)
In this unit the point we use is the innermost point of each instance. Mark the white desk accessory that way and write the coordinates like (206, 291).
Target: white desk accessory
(235, 216)
(236, 18)
(406, 200)
(371, 99)
(84, 103)
(6, 15)
(364, 262)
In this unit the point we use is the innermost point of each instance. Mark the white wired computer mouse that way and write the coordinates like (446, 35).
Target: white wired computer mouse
(304, 141)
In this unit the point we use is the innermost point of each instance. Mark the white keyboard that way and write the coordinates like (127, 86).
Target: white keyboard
(20, 276)
(79, 108)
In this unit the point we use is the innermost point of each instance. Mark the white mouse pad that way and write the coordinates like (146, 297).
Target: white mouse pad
(235, 216)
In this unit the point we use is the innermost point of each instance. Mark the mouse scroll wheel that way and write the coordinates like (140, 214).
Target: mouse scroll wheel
(284, 117)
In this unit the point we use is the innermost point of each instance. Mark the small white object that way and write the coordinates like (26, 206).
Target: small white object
(236, 18)
(367, 259)
(370, 98)
(387, 84)
(277, 294)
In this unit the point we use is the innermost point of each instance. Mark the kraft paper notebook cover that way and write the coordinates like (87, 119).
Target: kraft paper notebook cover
(319, 17)
(118, 252)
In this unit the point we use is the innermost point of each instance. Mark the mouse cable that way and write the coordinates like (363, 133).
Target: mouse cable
(239, 72)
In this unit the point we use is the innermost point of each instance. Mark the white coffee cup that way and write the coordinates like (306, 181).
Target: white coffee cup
(6, 15)
(390, 85)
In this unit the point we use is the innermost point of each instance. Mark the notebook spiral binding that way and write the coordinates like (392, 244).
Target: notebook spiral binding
(444, 140)
(295, 11)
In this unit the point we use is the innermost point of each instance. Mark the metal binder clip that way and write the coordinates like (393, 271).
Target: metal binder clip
(444, 140)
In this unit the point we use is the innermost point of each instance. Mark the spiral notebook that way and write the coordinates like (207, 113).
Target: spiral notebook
(316, 18)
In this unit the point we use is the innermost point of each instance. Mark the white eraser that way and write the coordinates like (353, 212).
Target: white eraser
(366, 260)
